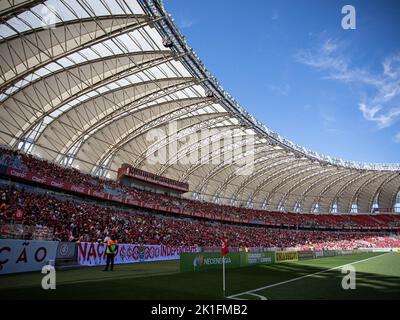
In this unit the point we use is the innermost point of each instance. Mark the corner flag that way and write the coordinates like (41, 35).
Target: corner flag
(224, 251)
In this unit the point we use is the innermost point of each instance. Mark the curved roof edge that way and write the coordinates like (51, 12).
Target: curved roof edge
(169, 29)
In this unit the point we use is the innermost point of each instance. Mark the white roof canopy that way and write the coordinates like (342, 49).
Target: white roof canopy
(86, 83)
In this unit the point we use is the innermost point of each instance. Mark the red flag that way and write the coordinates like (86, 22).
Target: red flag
(225, 249)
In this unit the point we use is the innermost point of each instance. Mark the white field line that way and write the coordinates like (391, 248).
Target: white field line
(259, 296)
(251, 292)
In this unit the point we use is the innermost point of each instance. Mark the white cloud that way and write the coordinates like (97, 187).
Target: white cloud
(283, 90)
(275, 15)
(381, 107)
(330, 46)
(187, 23)
(397, 137)
(324, 58)
(369, 113)
(329, 121)
(391, 66)
(383, 120)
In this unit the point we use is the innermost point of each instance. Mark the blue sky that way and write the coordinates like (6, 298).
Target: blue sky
(292, 65)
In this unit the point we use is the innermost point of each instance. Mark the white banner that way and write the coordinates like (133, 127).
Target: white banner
(379, 249)
(93, 254)
(25, 255)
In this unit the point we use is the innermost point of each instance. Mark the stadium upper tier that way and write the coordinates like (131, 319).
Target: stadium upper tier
(85, 83)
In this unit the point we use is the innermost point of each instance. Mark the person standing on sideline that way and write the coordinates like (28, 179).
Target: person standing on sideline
(111, 249)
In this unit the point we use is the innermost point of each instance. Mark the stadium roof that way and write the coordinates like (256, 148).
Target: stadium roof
(84, 82)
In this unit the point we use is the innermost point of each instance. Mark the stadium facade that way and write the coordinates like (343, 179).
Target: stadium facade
(84, 83)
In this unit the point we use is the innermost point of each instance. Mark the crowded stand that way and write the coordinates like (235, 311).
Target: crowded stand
(75, 220)
(45, 169)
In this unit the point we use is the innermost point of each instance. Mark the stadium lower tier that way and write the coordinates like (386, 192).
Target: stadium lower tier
(17, 165)
(43, 215)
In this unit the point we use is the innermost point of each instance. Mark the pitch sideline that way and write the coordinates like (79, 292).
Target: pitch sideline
(252, 292)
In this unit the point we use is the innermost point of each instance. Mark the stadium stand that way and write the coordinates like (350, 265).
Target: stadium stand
(45, 169)
(71, 220)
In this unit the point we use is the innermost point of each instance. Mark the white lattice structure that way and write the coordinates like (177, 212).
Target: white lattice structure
(83, 82)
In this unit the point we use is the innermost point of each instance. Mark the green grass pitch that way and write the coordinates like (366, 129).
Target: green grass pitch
(378, 277)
